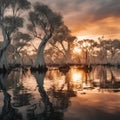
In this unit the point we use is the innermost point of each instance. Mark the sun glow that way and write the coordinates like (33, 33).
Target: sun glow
(81, 37)
(76, 76)
(77, 50)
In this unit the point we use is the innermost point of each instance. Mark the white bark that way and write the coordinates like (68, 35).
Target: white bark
(40, 61)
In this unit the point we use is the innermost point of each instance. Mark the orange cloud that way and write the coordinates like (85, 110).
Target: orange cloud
(89, 17)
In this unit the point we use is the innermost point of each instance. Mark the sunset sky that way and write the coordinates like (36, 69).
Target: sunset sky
(89, 18)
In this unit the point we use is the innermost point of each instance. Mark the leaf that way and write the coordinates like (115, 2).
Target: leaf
(23, 36)
(12, 23)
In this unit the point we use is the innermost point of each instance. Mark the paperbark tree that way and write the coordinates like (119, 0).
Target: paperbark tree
(43, 23)
(112, 48)
(10, 22)
(65, 39)
(87, 47)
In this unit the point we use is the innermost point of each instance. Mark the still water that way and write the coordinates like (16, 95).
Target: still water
(58, 95)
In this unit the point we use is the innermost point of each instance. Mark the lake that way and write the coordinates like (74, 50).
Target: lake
(61, 95)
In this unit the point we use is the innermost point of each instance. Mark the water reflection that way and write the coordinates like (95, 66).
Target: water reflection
(57, 95)
(107, 78)
(49, 111)
(61, 92)
(8, 112)
(102, 78)
(21, 94)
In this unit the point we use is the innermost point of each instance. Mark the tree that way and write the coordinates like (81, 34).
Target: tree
(43, 23)
(61, 43)
(112, 48)
(87, 47)
(10, 22)
(64, 38)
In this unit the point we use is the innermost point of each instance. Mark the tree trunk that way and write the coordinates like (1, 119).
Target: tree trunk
(40, 61)
(3, 56)
(68, 53)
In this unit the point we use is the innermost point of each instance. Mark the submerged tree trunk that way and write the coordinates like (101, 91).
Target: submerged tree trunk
(40, 61)
(3, 56)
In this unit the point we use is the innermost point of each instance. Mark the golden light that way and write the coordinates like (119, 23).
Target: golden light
(86, 44)
(76, 78)
(76, 75)
(77, 50)
(81, 37)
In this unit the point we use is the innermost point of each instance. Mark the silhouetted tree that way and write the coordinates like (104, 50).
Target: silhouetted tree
(87, 46)
(112, 48)
(65, 39)
(43, 23)
(10, 22)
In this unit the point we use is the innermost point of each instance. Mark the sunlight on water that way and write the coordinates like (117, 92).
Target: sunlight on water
(76, 76)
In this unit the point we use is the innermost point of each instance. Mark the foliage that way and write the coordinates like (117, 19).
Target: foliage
(43, 19)
(23, 36)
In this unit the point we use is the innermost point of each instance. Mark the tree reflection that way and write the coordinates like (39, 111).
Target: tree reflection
(107, 78)
(61, 90)
(21, 94)
(49, 112)
(64, 93)
(8, 112)
(112, 81)
(82, 80)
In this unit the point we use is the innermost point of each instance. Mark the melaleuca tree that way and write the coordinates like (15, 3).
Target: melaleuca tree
(10, 22)
(65, 39)
(43, 23)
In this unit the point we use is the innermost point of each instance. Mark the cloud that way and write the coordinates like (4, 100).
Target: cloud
(88, 16)
(64, 6)
(108, 8)
(95, 9)
(89, 9)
